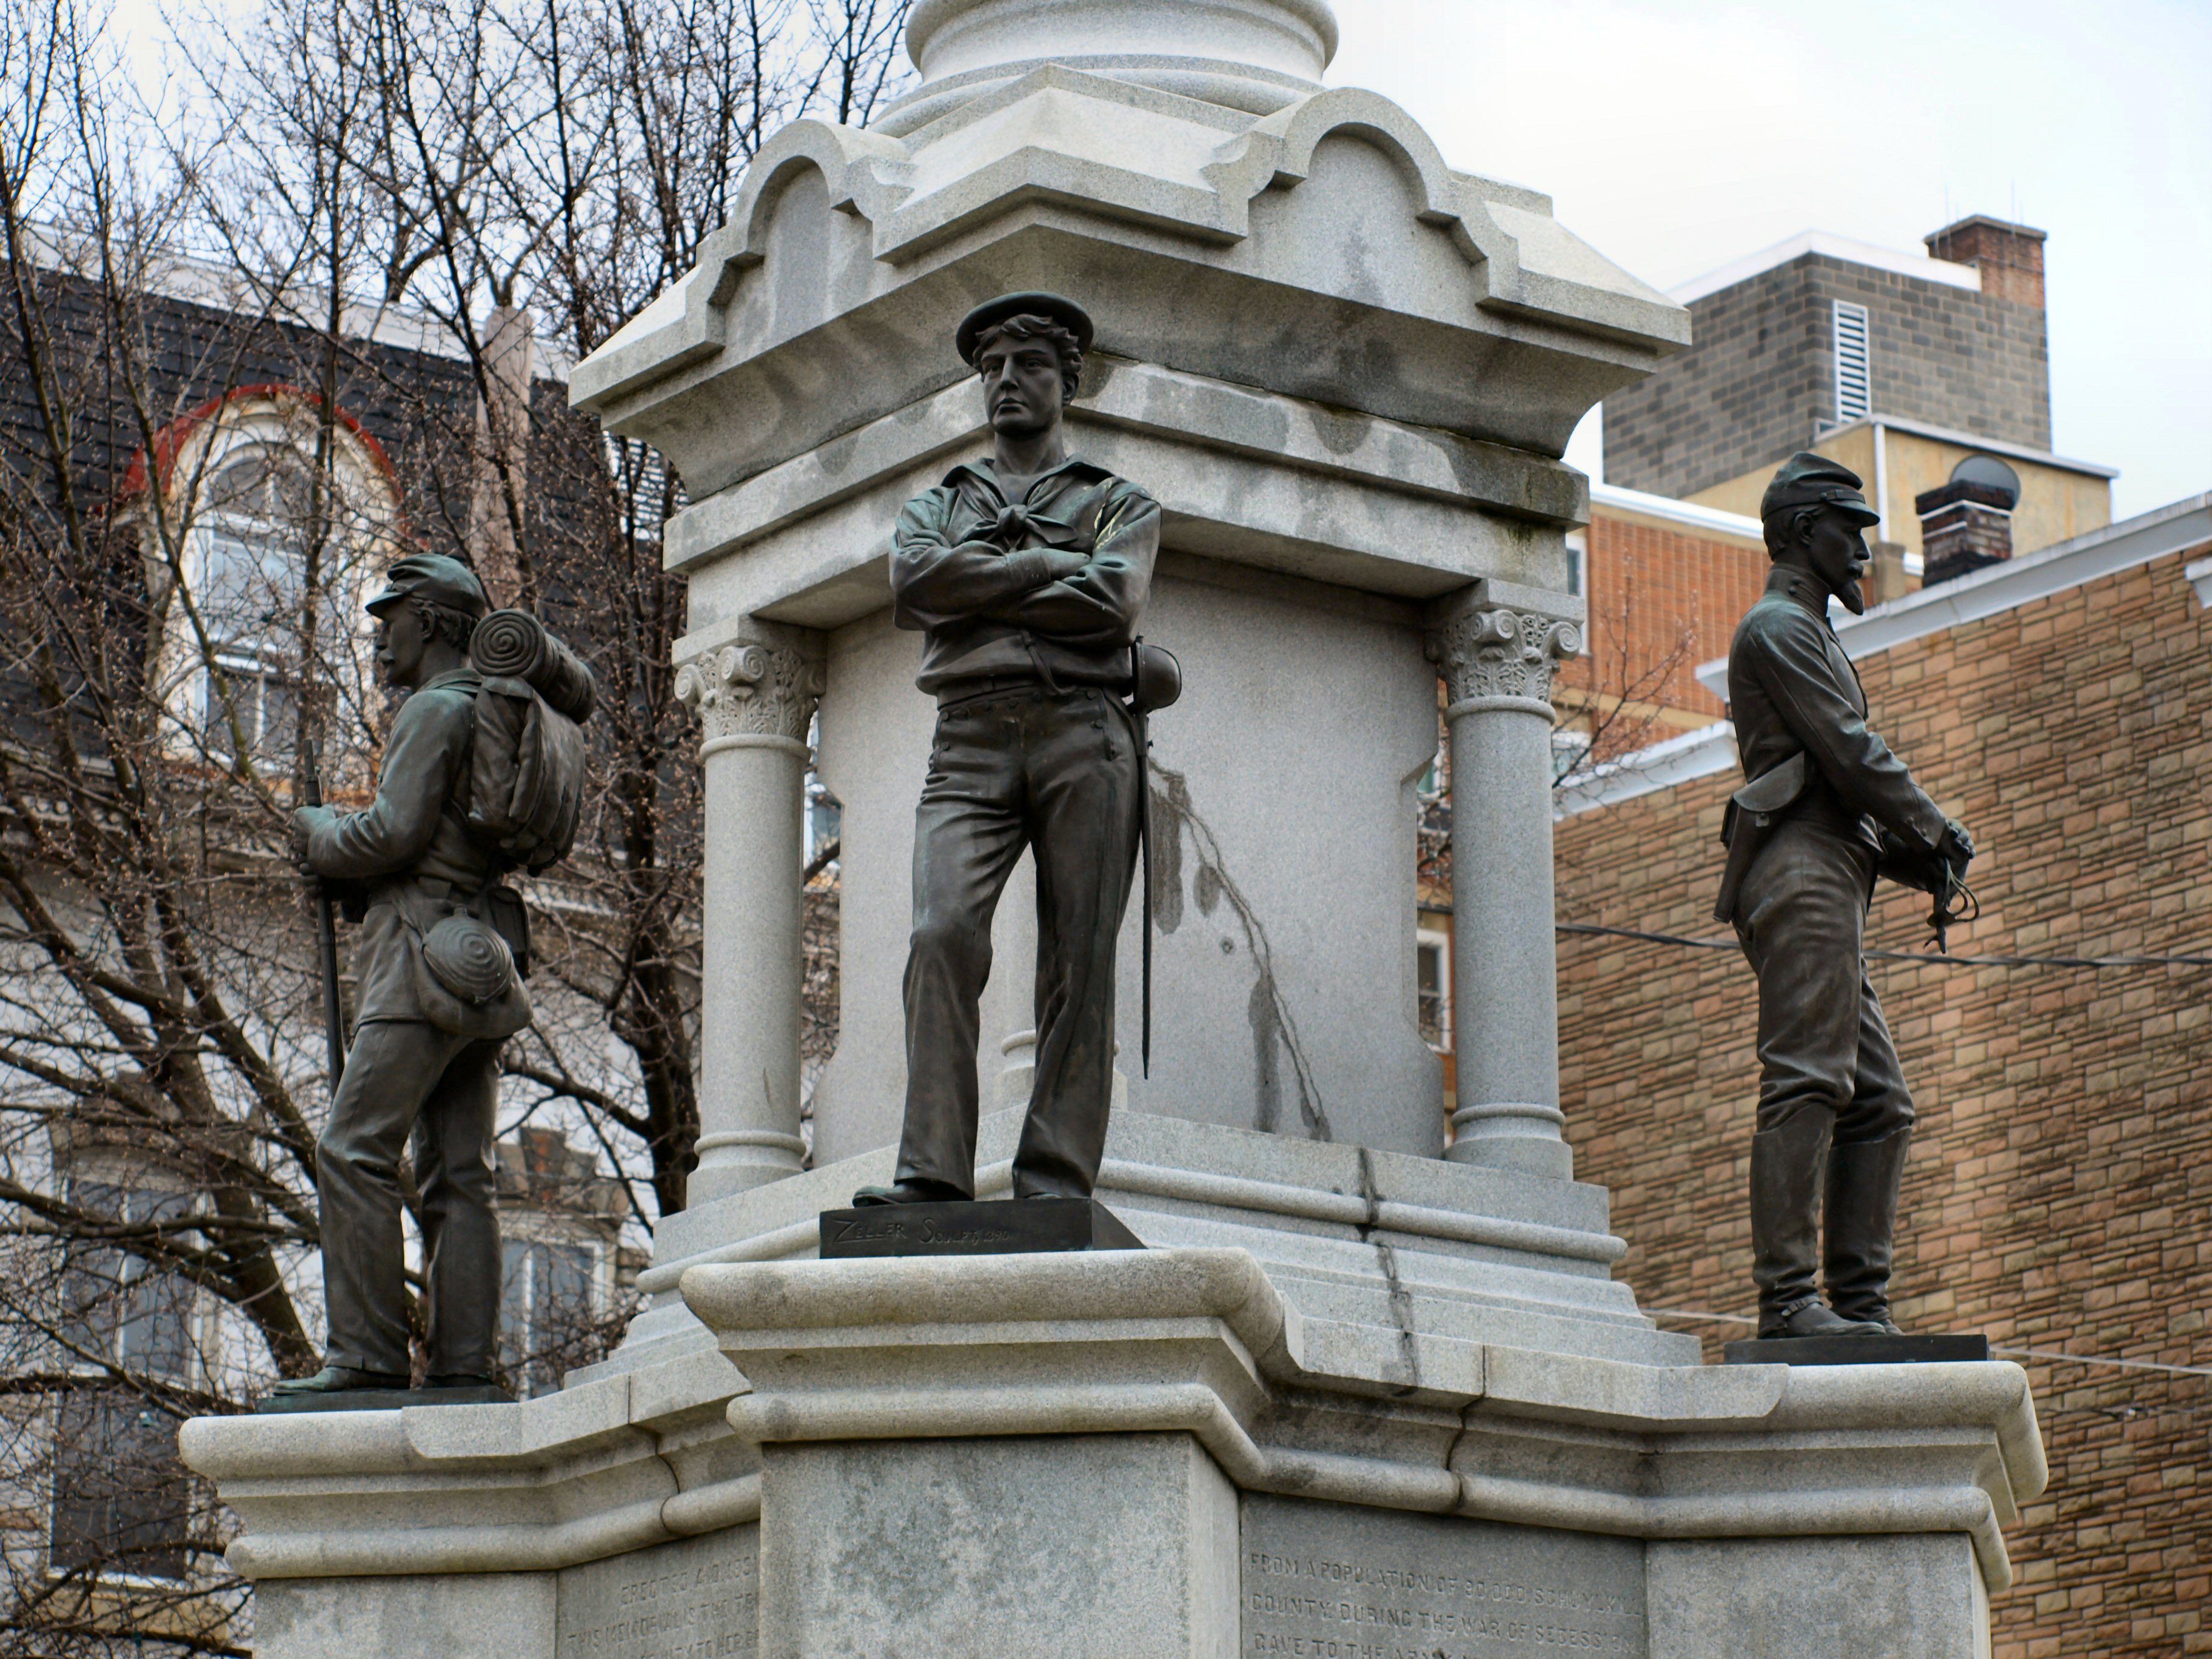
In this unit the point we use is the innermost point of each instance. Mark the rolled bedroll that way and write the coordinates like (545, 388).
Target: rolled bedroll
(515, 645)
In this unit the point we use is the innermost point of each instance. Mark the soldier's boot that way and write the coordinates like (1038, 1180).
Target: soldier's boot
(910, 1190)
(339, 1379)
(1861, 1226)
(1786, 1165)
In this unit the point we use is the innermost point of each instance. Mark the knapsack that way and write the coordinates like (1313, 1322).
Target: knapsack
(527, 776)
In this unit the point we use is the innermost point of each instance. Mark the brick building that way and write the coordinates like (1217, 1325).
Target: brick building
(2061, 704)
(1904, 367)
(1664, 582)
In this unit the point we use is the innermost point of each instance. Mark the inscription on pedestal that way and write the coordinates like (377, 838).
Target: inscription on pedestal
(698, 1598)
(1330, 1580)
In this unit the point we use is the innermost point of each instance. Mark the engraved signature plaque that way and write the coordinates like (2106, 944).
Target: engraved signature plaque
(1335, 1581)
(697, 1598)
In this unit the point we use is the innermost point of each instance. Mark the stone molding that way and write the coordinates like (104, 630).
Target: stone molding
(747, 692)
(772, 1139)
(593, 1471)
(1418, 1203)
(1191, 1340)
(1496, 659)
(1200, 1341)
(1382, 461)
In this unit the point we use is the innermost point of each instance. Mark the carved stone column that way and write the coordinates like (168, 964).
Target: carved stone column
(1496, 646)
(756, 689)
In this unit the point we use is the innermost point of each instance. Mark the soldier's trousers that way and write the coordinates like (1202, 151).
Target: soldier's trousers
(1834, 1115)
(403, 1077)
(1054, 771)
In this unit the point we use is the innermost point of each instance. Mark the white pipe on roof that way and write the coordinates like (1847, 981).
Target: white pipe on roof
(1682, 513)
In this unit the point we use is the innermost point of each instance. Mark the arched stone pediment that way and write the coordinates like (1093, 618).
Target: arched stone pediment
(1207, 237)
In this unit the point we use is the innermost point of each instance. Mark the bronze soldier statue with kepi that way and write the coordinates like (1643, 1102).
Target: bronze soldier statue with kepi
(1826, 810)
(1026, 572)
(483, 774)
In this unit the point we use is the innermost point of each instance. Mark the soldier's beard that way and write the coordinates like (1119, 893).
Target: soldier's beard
(1853, 595)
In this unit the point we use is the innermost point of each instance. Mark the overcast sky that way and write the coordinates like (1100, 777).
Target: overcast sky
(1676, 135)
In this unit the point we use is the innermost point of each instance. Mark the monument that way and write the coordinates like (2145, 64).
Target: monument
(1362, 1391)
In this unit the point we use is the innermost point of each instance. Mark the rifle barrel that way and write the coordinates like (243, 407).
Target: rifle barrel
(326, 940)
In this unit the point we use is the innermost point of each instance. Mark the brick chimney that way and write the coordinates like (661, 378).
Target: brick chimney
(2009, 257)
(1964, 526)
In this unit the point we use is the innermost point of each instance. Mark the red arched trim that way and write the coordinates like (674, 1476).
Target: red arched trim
(169, 442)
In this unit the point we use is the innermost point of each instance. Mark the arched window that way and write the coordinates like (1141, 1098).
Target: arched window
(251, 594)
(259, 564)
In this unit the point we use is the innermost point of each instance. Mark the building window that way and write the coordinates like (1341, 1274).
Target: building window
(250, 588)
(1432, 989)
(549, 1311)
(1854, 364)
(122, 1505)
(250, 593)
(1989, 472)
(1578, 561)
(643, 493)
(252, 518)
(121, 1500)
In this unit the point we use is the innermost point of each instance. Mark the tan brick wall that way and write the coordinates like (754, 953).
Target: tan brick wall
(2060, 1192)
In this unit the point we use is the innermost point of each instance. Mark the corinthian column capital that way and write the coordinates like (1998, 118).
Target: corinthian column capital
(750, 692)
(1497, 647)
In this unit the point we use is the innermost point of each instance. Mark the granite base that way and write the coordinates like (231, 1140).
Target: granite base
(1132, 1453)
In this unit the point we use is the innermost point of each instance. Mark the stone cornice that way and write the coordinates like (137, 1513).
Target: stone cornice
(1174, 191)
(1142, 400)
(1198, 1341)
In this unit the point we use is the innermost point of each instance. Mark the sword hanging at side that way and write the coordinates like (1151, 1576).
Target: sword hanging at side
(1155, 682)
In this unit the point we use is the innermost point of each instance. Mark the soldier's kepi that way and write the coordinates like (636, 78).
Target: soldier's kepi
(439, 989)
(1826, 809)
(1026, 574)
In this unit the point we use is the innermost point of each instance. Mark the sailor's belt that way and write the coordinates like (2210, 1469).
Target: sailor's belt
(960, 693)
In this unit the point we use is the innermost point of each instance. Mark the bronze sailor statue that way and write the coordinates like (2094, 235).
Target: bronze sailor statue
(1026, 572)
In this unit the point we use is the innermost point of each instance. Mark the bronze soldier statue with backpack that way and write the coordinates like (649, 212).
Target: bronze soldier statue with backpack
(483, 774)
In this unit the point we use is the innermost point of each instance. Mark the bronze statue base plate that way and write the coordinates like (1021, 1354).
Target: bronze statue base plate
(381, 1400)
(1855, 1349)
(966, 1227)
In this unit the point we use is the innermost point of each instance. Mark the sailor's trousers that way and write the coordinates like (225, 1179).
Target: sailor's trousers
(1056, 772)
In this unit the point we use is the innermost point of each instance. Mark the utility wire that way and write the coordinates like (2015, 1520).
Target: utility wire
(1705, 1314)
(2198, 961)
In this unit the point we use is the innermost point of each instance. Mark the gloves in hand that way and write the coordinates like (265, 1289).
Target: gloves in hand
(304, 820)
(1956, 848)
